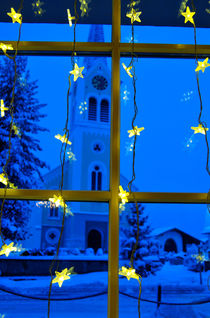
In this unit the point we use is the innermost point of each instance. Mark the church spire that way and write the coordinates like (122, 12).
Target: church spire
(96, 34)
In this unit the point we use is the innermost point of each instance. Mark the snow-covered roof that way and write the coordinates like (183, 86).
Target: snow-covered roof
(162, 230)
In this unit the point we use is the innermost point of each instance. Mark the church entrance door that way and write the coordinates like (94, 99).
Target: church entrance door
(94, 240)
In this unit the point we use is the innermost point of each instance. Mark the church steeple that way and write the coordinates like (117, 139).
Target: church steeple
(96, 34)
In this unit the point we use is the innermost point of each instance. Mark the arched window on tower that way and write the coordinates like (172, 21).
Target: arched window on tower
(104, 111)
(92, 109)
(96, 178)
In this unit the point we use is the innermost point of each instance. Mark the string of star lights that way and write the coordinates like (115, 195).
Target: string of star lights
(59, 200)
(200, 66)
(4, 179)
(133, 15)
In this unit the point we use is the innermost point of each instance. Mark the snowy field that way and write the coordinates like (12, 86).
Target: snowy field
(178, 285)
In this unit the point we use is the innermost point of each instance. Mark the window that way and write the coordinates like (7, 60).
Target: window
(115, 48)
(104, 111)
(92, 109)
(96, 179)
(54, 212)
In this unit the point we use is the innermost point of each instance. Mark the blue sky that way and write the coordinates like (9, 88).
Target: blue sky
(168, 106)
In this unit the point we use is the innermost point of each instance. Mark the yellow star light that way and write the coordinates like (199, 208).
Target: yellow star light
(7, 249)
(58, 201)
(63, 139)
(3, 179)
(188, 16)
(135, 131)
(6, 47)
(60, 277)
(129, 273)
(202, 65)
(199, 130)
(3, 108)
(16, 17)
(77, 72)
(123, 195)
(70, 18)
(16, 130)
(127, 69)
(199, 258)
(134, 16)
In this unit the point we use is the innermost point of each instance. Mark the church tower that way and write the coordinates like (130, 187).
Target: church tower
(90, 137)
(90, 127)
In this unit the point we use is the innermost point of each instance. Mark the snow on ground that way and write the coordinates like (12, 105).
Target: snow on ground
(169, 275)
(83, 284)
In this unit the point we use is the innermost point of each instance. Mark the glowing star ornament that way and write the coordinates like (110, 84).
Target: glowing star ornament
(6, 47)
(199, 258)
(188, 16)
(64, 275)
(135, 131)
(37, 7)
(16, 17)
(3, 108)
(5, 181)
(71, 156)
(16, 130)
(129, 273)
(134, 16)
(58, 201)
(63, 139)
(199, 130)
(7, 249)
(202, 65)
(70, 18)
(127, 69)
(84, 7)
(123, 195)
(77, 72)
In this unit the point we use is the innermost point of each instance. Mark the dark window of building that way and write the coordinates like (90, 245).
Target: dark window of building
(96, 179)
(92, 110)
(104, 113)
(93, 181)
(53, 211)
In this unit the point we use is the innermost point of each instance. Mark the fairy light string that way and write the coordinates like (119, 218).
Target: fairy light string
(200, 121)
(62, 160)
(11, 110)
(134, 16)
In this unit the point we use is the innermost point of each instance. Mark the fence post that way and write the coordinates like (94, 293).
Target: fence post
(159, 296)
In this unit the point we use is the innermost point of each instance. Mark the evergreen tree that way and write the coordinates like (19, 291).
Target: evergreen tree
(147, 246)
(24, 168)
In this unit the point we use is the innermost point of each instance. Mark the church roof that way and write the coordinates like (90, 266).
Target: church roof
(96, 34)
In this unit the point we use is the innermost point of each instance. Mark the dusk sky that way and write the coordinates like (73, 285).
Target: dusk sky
(169, 157)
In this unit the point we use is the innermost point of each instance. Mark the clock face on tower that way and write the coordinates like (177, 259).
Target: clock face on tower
(99, 82)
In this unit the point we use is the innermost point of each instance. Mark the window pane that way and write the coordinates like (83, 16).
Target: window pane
(170, 157)
(174, 239)
(93, 187)
(56, 32)
(84, 246)
(40, 115)
(164, 35)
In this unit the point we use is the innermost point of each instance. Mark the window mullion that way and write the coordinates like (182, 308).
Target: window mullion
(113, 285)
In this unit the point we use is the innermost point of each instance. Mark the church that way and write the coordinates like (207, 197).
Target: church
(90, 137)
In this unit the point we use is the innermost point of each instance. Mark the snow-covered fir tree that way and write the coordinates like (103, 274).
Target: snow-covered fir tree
(146, 256)
(24, 168)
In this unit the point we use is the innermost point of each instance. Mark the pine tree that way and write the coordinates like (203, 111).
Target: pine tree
(147, 245)
(24, 168)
